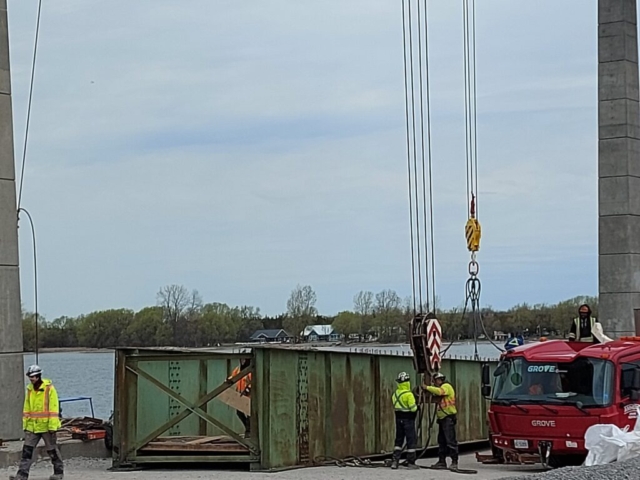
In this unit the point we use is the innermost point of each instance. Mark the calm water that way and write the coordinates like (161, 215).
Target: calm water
(80, 374)
(92, 374)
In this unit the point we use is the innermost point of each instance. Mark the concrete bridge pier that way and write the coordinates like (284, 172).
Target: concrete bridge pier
(618, 166)
(11, 363)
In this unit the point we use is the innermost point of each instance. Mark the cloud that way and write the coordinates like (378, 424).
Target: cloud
(241, 149)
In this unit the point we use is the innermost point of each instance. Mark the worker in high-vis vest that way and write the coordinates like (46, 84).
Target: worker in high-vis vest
(446, 415)
(40, 420)
(582, 326)
(243, 387)
(404, 405)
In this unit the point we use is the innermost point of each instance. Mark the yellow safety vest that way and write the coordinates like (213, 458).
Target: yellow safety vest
(41, 412)
(447, 403)
(403, 399)
(577, 336)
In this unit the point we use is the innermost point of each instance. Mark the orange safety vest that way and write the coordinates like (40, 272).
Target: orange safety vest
(41, 411)
(244, 382)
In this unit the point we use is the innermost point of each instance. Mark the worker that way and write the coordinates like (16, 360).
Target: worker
(582, 326)
(447, 418)
(243, 387)
(40, 420)
(404, 404)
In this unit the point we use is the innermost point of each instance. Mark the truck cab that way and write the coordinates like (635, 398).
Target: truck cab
(545, 395)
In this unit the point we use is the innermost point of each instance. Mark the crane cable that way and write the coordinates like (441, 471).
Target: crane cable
(20, 208)
(419, 162)
(473, 230)
(415, 34)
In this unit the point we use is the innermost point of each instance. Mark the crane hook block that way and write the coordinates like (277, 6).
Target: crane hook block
(473, 233)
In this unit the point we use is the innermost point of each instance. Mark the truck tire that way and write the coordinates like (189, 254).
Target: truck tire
(559, 461)
(108, 437)
(497, 453)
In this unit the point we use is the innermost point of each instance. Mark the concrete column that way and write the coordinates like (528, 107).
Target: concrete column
(618, 166)
(11, 363)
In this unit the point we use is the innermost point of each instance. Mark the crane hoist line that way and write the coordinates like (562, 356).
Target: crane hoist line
(426, 332)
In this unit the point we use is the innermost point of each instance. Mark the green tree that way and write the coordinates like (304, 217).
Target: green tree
(29, 331)
(301, 309)
(348, 323)
(148, 329)
(105, 329)
(180, 310)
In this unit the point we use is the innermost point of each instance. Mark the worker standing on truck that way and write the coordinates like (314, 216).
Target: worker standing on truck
(404, 404)
(582, 326)
(447, 419)
(40, 420)
(243, 387)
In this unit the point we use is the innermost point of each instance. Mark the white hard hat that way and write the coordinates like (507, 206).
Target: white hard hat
(403, 377)
(34, 370)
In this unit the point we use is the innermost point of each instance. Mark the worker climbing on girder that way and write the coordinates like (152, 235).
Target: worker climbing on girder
(583, 325)
(447, 419)
(404, 404)
(243, 387)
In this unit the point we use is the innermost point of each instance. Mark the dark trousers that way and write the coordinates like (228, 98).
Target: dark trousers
(405, 429)
(30, 443)
(447, 442)
(246, 421)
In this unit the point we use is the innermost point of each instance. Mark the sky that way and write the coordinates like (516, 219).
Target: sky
(242, 148)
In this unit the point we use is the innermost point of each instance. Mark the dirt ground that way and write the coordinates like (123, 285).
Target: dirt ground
(89, 469)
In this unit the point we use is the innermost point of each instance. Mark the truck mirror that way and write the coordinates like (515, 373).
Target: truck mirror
(501, 368)
(486, 380)
(486, 391)
(486, 374)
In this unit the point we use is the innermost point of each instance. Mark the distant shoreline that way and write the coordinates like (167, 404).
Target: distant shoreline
(71, 350)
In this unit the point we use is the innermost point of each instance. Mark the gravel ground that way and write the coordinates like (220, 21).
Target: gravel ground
(629, 470)
(88, 469)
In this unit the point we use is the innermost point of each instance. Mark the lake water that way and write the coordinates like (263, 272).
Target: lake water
(77, 374)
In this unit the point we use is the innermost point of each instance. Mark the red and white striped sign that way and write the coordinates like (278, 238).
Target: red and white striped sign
(434, 342)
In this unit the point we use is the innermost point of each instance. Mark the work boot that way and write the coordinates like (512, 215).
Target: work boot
(454, 465)
(412, 466)
(57, 476)
(394, 464)
(440, 465)
(17, 477)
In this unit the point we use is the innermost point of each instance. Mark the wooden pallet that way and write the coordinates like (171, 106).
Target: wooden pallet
(217, 444)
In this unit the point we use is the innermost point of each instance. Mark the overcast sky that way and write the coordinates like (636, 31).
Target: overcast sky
(241, 148)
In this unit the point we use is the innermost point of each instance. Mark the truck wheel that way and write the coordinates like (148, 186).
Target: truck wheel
(108, 437)
(497, 453)
(559, 461)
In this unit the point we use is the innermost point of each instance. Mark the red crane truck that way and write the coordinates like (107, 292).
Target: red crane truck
(545, 395)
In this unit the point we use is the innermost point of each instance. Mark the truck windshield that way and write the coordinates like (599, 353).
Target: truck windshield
(585, 380)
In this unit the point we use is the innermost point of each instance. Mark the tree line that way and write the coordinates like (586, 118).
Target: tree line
(181, 318)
